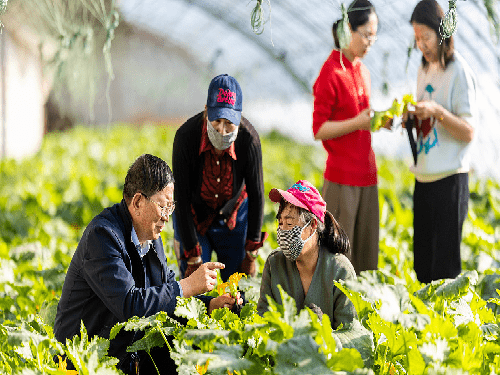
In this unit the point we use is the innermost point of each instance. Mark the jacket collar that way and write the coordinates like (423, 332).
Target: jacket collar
(126, 217)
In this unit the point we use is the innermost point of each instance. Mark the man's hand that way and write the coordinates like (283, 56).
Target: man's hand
(192, 265)
(224, 301)
(202, 280)
(248, 263)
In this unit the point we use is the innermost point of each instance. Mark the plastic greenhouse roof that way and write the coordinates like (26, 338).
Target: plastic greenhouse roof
(278, 68)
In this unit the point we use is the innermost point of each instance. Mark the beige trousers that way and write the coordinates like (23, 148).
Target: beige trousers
(356, 209)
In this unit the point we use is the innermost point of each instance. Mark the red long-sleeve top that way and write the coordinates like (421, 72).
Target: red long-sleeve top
(341, 94)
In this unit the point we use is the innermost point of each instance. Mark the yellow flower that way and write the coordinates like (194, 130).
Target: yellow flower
(221, 288)
(62, 367)
(202, 369)
(236, 277)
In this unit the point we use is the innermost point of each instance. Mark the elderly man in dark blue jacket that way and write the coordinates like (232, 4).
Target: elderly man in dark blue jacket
(119, 269)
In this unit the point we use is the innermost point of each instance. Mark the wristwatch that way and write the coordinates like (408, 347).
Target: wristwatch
(197, 261)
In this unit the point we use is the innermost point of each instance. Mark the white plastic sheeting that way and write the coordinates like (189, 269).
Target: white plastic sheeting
(277, 68)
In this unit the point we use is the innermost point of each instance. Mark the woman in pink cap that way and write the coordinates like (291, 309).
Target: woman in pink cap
(310, 257)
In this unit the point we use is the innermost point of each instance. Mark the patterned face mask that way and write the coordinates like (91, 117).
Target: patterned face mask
(291, 242)
(219, 141)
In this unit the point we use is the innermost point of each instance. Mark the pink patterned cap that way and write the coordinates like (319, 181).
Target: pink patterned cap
(302, 194)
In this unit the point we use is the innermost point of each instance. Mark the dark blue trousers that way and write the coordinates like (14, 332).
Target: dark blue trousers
(229, 245)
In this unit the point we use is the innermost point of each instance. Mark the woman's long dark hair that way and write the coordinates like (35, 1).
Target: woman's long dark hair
(430, 14)
(358, 16)
(331, 235)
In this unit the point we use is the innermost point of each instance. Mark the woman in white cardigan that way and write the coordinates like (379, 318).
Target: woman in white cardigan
(310, 257)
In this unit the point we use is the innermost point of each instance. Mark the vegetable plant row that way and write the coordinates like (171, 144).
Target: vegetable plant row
(403, 326)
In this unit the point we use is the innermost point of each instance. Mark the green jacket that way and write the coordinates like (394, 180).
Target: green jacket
(278, 270)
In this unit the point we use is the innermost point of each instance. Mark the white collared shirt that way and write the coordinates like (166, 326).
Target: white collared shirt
(143, 250)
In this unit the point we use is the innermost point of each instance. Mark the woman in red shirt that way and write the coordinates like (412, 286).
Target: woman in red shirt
(341, 120)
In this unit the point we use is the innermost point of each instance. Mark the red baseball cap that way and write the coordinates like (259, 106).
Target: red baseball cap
(302, 194)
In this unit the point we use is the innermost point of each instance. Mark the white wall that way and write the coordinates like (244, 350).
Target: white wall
(23, 117)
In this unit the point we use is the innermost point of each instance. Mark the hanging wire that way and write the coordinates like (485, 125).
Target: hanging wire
(448, 24)
(77, 28)
(343, 32)
(110, 21)
(409, 50)
(258, 19)
(343, 29)
(493, 17)
(3, 9)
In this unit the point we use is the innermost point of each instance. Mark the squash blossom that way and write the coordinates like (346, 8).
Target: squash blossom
(379, 118)
(63, 365)
(202, 369)
(232, 284)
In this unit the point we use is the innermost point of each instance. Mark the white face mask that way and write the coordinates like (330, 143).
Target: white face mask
(291, 242)
(219, 141)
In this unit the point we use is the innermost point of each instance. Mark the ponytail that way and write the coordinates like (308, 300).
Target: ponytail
(333, 237)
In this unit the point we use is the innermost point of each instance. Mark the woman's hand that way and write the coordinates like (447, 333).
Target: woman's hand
(427, 108)
(224, 301)
(364, 119)
(388, 124)
(457, 126)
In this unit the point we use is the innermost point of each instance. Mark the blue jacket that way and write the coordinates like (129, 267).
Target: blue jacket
(105, 282)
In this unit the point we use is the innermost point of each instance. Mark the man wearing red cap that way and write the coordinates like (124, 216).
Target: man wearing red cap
(310, 257)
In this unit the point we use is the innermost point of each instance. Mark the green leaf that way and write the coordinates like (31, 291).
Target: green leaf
(191, 308)
(356, 336)
(402, 344)
(490, 331)
(435, 352)
(48, 311)
(300, 355)
(361, 303)
(142, 324)
(345, 360)
(222, 359)
(153, 338)
(449, 289)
